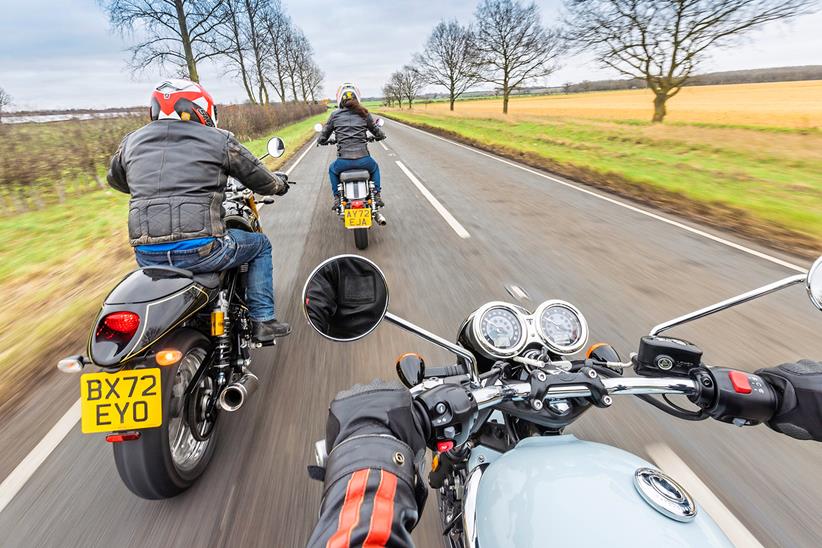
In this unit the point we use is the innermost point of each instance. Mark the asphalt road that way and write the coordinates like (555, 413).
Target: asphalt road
(626, 271)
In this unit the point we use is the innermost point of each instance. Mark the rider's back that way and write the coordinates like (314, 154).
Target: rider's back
(350, 130)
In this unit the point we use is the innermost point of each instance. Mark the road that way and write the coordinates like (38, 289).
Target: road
(625, 270)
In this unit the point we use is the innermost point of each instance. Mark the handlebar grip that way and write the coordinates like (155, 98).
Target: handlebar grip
(445, 371)
(733, 396)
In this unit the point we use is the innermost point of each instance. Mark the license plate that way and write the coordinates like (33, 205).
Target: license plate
(126, 400)
(358, 218)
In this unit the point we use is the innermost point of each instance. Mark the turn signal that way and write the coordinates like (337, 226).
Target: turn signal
(217, 323)
(122, 436)
(168, 357)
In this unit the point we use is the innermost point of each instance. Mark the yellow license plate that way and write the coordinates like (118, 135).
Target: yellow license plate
(358, 218)
(126, 400)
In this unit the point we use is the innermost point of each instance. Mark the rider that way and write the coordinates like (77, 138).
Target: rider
(376, 437)
(175, 169)
(350, 122)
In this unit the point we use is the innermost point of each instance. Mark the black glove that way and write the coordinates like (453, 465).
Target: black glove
(283, 190)
(378, 408)
(799, 386)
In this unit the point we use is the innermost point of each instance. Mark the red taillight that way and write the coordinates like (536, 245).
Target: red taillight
(121, 325)
(357, 204)
(123, 436)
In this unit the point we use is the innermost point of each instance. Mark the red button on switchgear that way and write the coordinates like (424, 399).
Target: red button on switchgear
(740, 382)
(443, 446)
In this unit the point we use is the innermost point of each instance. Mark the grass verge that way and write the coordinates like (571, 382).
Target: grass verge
(767, 187)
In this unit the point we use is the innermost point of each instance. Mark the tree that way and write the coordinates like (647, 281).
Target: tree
(450, 59)
(410, 82)
(234, 46)
(314, 80)
(279, 29)
(180, 33)
(391, 92)
(5, 100)
(662, 41)
(514, 45)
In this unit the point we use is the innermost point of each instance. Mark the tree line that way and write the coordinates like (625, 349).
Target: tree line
(658, 43)
(254, 40)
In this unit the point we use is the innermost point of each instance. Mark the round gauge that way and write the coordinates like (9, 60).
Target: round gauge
(499, 330)
(561, 326)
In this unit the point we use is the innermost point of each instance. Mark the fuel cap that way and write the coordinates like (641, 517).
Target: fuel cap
(664, 495)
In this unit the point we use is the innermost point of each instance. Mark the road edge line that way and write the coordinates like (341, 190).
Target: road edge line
(452, 222)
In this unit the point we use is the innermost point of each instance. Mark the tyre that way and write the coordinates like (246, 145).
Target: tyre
(167, 460)
(361, 238)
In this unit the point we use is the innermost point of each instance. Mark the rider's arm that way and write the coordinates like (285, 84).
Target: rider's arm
(328, 129)
(375, 130)
(250, 171)
(116, 175)
(799, 388)
(371, 473)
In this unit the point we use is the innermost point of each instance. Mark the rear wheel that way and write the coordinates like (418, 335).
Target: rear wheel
(361, 238)
(166, 461)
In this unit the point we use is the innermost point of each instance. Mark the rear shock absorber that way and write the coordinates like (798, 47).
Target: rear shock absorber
(220, 328)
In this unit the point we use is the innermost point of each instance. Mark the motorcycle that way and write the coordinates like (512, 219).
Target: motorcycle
(172, 352)
(356, 190)
(504, 472)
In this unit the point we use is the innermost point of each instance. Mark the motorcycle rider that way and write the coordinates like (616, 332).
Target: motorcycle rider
(350, 122)
(376, 437)
(175, 168)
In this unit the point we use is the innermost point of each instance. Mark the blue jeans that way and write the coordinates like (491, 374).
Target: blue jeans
(236, 248)
(342, 164)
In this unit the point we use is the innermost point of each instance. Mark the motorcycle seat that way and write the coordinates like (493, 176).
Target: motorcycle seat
(355, 175)
(209, 280)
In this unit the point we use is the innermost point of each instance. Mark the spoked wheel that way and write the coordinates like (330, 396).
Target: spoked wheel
(361, 238)
(166, 461)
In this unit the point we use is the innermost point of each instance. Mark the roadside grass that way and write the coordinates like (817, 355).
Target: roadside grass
(773, 180)
(56, 265)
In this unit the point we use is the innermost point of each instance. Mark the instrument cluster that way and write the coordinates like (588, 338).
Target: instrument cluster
(501, 330)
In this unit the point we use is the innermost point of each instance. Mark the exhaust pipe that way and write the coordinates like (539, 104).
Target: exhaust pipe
(234, 395)
(380, 219)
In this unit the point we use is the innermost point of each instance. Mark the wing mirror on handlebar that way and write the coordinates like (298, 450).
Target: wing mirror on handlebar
(379, 122)
(275, 147)
(318, 127)
(345, 298)
(814, 283)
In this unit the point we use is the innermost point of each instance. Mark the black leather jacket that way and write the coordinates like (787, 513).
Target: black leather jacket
(350, 129)
(176, 174)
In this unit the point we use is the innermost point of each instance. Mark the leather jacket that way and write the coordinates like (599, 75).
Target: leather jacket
(176, 174)
(350, 129)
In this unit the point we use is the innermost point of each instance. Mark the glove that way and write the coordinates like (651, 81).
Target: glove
(799, 386)
(378, 408)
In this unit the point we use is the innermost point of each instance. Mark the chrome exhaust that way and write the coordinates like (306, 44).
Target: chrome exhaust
(380, 219)
(234, 395)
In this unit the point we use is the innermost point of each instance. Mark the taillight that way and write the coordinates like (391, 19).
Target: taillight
(357, 204)
(119, 325)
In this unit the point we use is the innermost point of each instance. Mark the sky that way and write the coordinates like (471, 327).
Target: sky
(62, 53)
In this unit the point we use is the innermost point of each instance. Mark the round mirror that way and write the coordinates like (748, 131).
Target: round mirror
(814, 283)
(318, 127)
(380, 122)
(276, 147)
(345, 298)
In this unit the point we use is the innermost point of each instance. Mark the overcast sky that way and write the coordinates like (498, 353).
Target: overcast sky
(62, 54)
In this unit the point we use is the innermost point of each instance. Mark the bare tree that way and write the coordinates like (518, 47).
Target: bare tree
(179, 33)
(279, 30)
(392, 90)
(663, 41)
(5, 100)
(254, 35)
(514, 44)
(450, 59)
(314, 80)
(234, 46)
(410, 82)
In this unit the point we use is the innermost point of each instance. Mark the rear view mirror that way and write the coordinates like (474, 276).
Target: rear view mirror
(345, 298)
(318, 127)
(814, 283)
(275, 147)
(380, 122)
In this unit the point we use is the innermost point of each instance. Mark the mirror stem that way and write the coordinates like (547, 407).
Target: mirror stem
(264, 156)
(439, 341)
(728, 303)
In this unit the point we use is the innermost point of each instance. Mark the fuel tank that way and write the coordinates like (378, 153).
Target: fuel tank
(561, 491)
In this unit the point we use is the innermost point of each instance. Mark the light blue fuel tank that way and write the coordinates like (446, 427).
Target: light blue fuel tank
(561, 491)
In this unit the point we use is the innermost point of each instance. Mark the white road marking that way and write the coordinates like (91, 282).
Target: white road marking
(670, 463)
(458, 228)
(20, 475)
(383, 145)
(619, 203)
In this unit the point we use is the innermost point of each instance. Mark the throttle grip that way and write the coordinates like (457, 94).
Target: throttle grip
(733, 396)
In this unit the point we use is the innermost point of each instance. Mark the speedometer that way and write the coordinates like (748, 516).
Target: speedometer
(562, 327)
(499, 329)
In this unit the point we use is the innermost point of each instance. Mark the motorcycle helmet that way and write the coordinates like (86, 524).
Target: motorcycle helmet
(347, 91)
(184, 100)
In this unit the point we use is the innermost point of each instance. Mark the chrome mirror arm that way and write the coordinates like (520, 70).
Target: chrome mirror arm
(728, 303)
(442, 343)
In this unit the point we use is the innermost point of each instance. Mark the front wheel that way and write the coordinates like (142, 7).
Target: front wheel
(167, 460)
(361, 238)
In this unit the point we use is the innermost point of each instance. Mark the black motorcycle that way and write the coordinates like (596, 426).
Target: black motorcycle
(172, 350)
(357, 205)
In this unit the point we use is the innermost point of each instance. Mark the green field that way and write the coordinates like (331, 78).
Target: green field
(765, 184)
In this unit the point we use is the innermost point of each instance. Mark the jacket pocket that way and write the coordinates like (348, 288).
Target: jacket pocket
(158, 217)
(193, 217)
(134, 229)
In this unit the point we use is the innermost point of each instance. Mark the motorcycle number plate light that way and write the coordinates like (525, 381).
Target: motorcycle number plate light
(126, 400)
(358, 218)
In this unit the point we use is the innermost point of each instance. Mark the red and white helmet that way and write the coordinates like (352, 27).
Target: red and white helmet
(178, 99)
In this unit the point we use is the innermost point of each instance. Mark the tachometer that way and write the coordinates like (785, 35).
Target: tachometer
(562, 327)
(500, 330)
